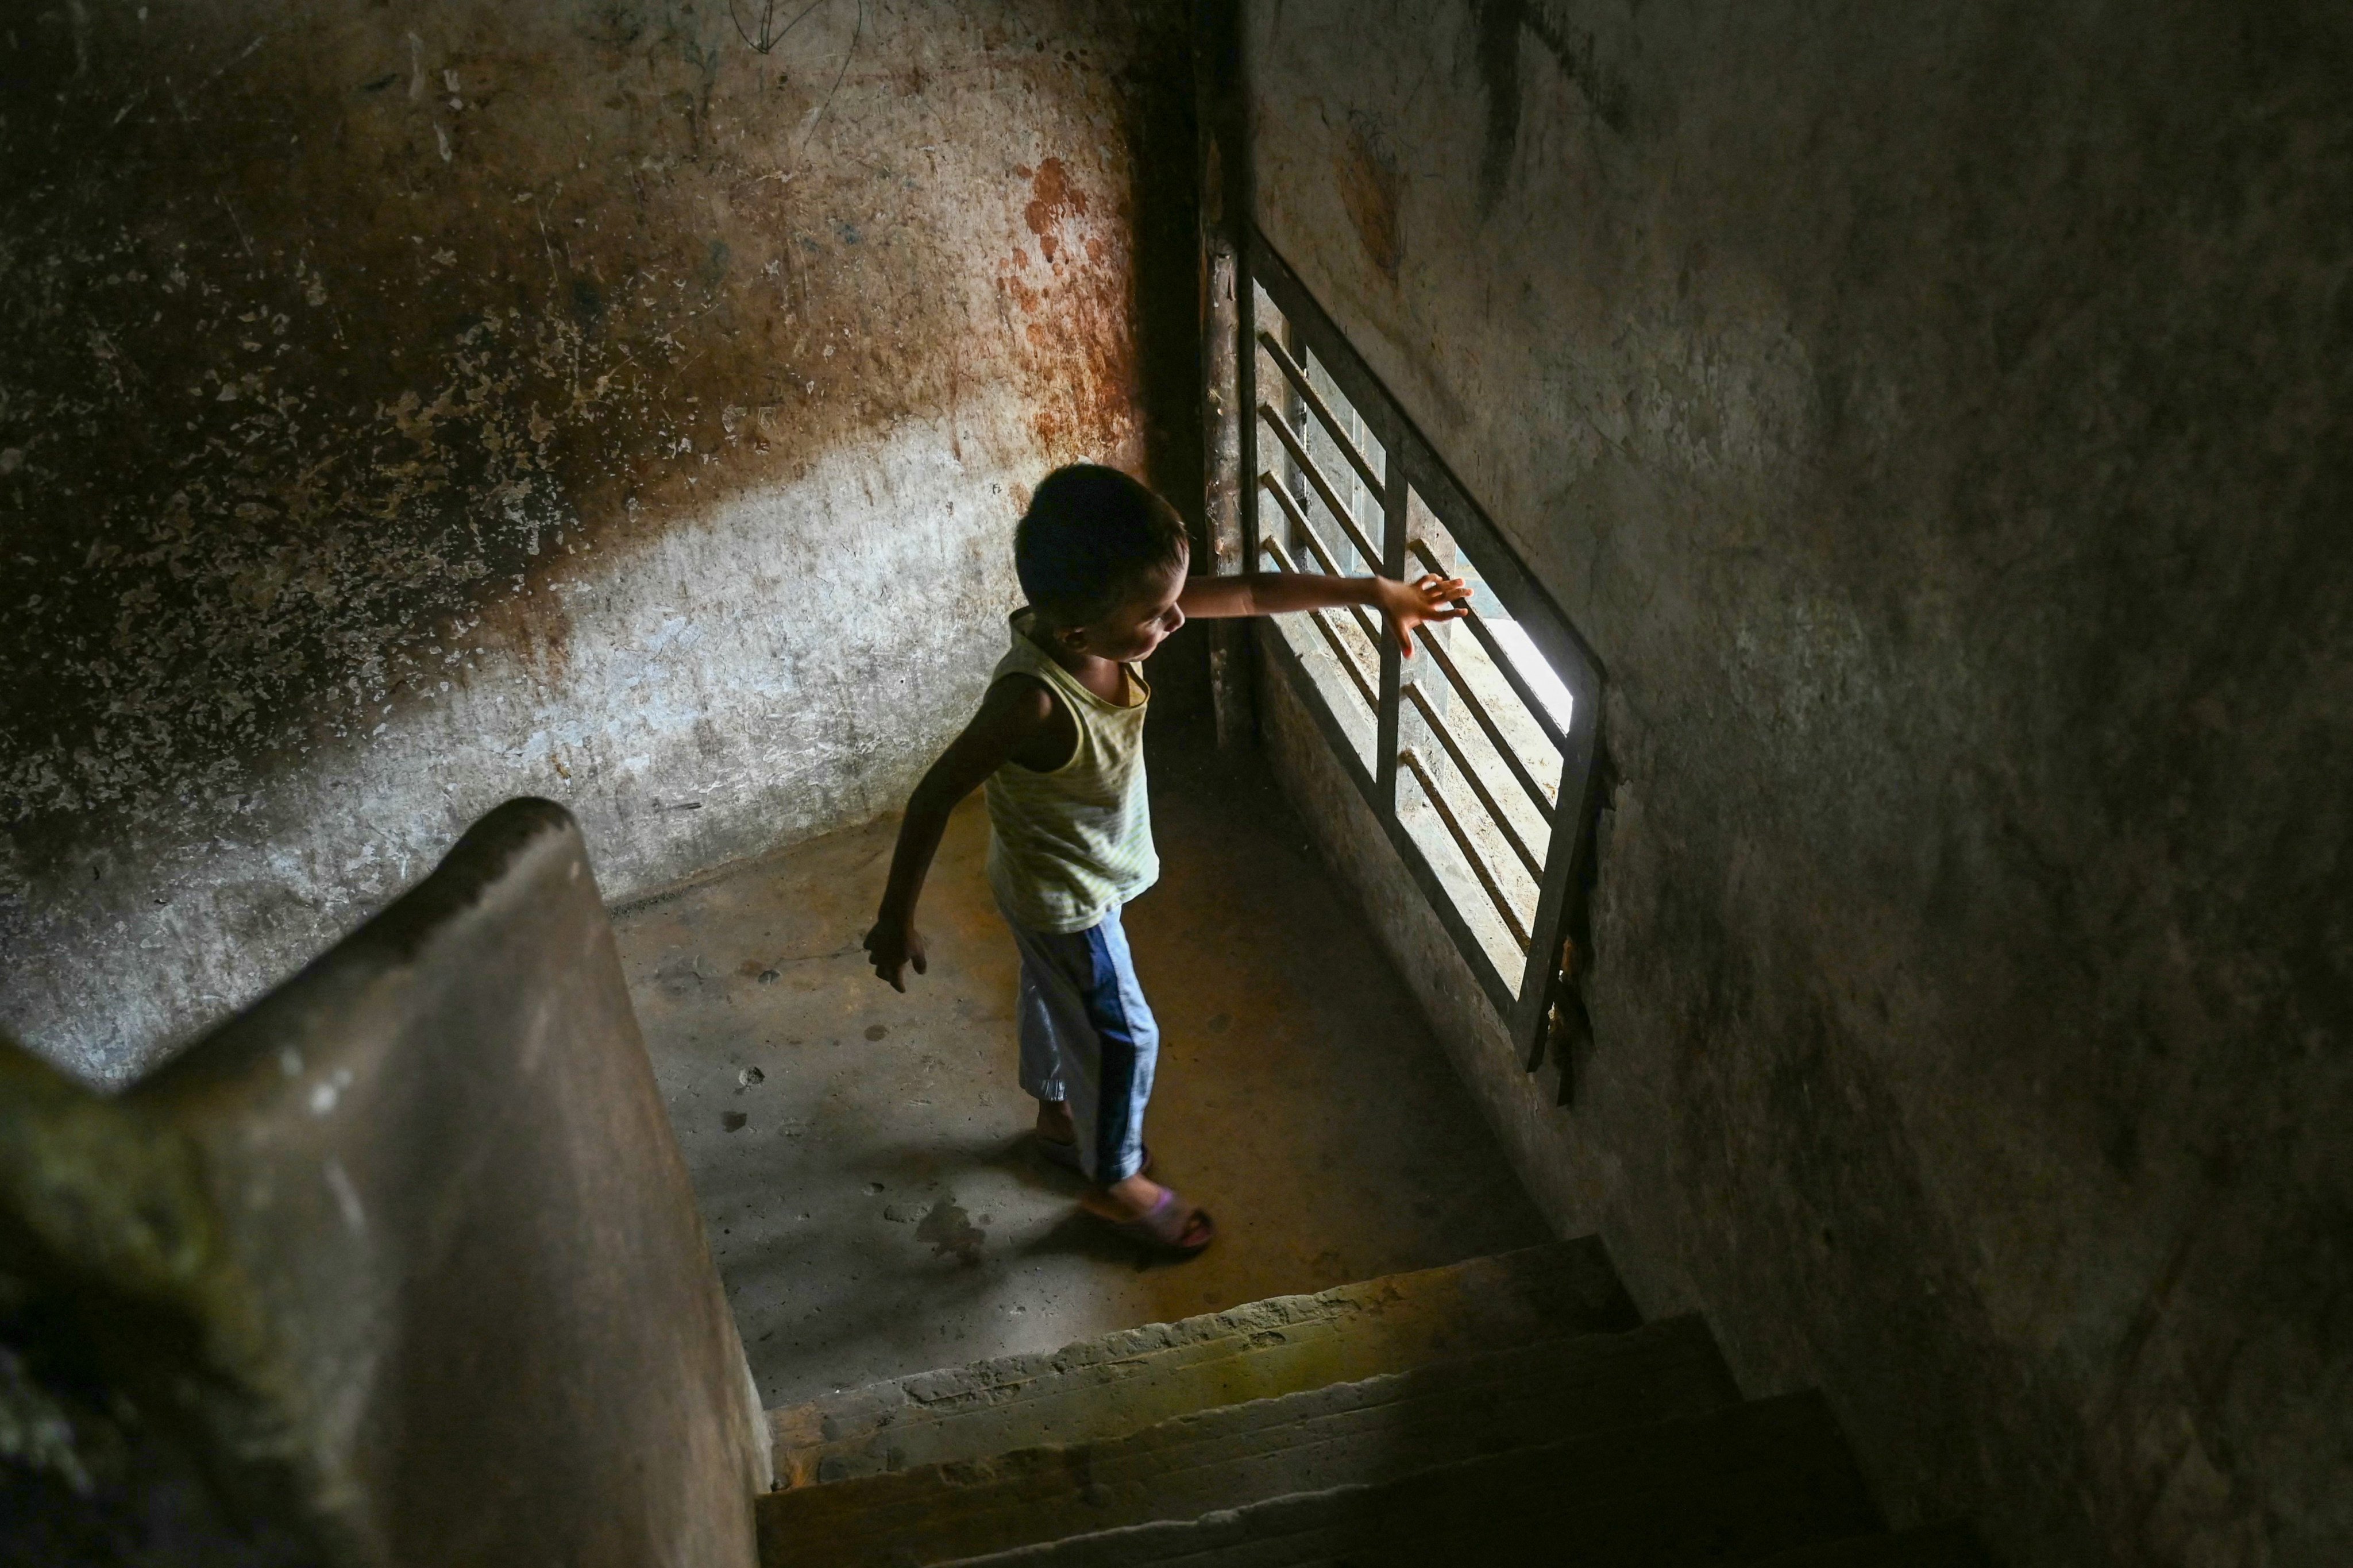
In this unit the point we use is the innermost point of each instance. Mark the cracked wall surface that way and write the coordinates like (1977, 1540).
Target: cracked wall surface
(407, 407)
(1936, 419)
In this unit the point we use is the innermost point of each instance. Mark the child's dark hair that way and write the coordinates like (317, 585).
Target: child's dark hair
(1093, 536)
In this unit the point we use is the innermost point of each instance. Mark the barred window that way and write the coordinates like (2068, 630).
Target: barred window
(1476, 757)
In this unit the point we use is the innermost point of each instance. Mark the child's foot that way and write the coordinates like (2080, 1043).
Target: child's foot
(1054, 1124)
(1057, 1137)
(1143, 1208)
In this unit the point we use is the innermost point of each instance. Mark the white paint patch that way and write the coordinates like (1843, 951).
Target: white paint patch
(328, 1091)
(347, 1196)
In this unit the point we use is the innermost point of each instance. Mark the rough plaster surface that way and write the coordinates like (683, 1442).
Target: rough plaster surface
(407, 408)
(1936, 419)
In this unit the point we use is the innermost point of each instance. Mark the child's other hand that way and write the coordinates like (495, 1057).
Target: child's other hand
(1427, 598)
(892, 945)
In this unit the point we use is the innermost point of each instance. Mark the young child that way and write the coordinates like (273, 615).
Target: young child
(1059, 741)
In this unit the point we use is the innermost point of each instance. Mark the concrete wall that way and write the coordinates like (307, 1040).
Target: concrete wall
(1937, 419)
(407, 407)
(400, 1267)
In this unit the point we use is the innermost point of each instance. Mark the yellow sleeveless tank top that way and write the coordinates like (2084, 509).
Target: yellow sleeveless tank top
(1068, 846)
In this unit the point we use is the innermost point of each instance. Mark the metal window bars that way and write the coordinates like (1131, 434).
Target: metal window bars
(1494, 821)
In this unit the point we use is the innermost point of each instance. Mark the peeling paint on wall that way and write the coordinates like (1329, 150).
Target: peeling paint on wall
(401, 414)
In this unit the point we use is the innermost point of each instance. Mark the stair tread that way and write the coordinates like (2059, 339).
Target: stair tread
(1280, 1345)
(1363, 1431)
(1934, 1546)
(1733, 1486)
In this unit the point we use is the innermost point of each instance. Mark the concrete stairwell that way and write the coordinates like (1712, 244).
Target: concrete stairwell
(1506, 1409)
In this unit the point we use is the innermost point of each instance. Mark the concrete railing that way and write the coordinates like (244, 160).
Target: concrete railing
(401, 1267)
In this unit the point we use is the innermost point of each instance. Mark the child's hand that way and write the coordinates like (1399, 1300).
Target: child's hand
(891, 945)
(1427, 598)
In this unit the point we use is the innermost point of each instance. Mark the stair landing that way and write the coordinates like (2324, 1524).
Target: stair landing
(871, 1200)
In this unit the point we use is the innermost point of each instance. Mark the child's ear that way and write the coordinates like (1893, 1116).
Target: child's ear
(1072, 637)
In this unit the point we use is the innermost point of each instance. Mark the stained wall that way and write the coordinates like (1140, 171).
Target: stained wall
(405, 407)
(1935, 417)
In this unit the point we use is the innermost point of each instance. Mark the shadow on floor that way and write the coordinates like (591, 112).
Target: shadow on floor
(860, 1156)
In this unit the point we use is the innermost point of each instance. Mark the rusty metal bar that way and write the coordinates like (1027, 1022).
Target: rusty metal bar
(1470, 851)
(1297, 376)
(1526, 694)
(1339, 646)
(1487, 724)
(1471, 777)
(1273, 486)
(1323, 491)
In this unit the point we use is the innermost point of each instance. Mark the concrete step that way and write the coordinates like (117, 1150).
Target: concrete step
(1369, 1431)
(1940, 1546)
(1268, 1348)
(1733, 1487)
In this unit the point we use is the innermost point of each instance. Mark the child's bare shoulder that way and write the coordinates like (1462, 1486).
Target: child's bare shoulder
(1020, 697)
(1032, 721)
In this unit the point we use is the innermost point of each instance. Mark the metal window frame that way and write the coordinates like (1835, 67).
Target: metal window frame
(1411, 461)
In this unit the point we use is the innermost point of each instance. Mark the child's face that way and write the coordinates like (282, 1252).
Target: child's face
(1138, 626)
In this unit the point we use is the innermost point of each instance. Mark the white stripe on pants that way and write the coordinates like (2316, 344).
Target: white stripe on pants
(1088, 1036)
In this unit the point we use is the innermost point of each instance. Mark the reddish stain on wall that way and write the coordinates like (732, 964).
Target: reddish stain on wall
(1052, 198)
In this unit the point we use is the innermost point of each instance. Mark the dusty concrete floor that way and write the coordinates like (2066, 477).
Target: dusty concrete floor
(862, 1156)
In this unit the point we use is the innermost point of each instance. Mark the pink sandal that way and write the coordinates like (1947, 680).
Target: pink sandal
(1170, 1226)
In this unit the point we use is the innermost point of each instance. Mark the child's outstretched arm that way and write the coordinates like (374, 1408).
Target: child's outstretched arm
(1405, 605)
(1013, 717)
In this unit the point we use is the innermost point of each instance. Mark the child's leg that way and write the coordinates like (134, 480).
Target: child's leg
(1090, 1009)
(1041, 1057)
(1041, 1063)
